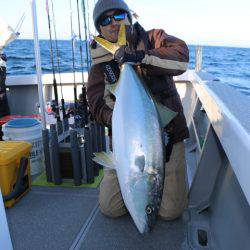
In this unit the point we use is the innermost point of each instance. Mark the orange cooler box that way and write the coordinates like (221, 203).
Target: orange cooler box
(15, 178)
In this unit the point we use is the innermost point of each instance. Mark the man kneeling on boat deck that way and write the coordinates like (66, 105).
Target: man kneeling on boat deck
(158, 57)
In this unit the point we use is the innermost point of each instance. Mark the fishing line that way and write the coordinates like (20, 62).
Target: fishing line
(53, 66)
(21, 20)
(58, 59)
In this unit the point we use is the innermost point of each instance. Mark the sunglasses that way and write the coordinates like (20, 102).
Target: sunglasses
(117, 17)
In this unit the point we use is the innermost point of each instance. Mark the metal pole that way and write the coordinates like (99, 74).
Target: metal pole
(198, 58)
(38, 62)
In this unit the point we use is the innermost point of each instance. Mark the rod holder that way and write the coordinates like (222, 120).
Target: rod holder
(65, 124)
(88, 155)
(83, 163)
(54, 150)
(94, 135)
(103, 136)
(45, 136)
(59, 127)
(75, 158)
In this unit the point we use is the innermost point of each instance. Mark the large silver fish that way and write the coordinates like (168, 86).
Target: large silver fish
(138, 147)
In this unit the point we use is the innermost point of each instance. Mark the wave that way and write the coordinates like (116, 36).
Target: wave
(247, 93)
(19, 57)
(231, 65)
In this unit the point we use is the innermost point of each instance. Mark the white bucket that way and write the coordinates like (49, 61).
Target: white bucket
(30, 130)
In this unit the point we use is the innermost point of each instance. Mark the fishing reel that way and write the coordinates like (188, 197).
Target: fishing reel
(81, 111)
(54, 108)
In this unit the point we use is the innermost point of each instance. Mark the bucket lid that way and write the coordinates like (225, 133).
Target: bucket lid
(22, 123)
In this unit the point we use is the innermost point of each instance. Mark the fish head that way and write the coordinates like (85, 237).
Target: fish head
(145, 200)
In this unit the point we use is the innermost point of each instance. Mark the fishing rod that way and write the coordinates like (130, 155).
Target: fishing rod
(73, 55)
(86, 33)
(58, 60)
(83, 99)
(53, 66)
(88, 28)
(20, 23)
(80, 38)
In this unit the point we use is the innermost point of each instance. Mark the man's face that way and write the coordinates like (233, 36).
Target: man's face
(110, 31)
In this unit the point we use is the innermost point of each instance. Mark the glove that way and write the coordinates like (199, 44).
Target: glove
(125, 54)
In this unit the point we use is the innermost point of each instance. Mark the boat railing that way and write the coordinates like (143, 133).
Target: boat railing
(218, 156)
(211, 105)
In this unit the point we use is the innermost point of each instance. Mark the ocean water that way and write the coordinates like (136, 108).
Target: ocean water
(230, 65)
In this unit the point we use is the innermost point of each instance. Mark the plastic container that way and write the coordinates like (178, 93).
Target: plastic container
(30, 130)
(14, 182)
(7, 118)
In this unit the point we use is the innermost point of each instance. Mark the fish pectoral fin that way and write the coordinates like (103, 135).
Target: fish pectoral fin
(166, 114)
(112, 88)
(105, 159)
(140, 162)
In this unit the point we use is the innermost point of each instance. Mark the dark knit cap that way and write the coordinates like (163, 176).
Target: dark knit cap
(103, 6)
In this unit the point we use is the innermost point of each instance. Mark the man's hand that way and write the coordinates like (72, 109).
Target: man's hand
(125, 54)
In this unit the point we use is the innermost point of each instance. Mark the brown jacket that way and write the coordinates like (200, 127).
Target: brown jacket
(165, 57)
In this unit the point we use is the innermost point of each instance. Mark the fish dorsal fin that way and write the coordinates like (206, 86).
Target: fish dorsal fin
(166, 115)
(110, 47)
(105, 159)
(113, 47)
(122, 36)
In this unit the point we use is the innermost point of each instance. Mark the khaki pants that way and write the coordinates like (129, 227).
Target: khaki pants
(174, 199)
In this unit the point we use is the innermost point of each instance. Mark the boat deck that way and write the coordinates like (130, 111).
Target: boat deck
(69, 218)
(219, 197)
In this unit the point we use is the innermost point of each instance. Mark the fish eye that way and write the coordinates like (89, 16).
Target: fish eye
(149, 210)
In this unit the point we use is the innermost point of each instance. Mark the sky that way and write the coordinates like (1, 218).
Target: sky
(198, 22)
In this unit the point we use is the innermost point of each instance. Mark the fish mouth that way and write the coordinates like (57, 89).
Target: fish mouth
(151, 213)
(147, 221)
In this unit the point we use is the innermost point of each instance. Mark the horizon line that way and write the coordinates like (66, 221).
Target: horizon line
(190, 44)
